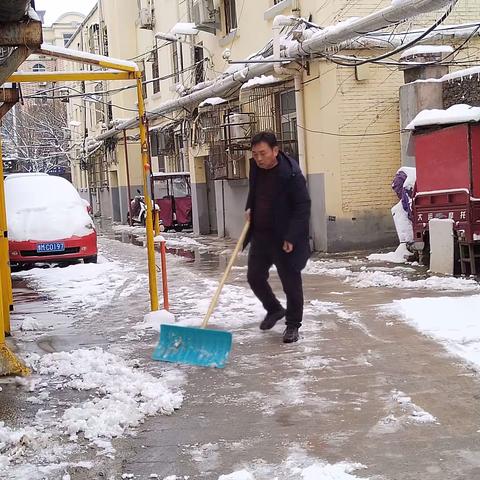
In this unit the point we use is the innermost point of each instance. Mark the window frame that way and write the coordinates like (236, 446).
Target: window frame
(231, 19)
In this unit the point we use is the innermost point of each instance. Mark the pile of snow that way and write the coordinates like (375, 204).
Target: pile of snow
(454, 114)
(297, 466)
(400, 255)
(153, 320)
(30, 324)
(134, 230)
(453, 321)
(262, 80)
(427, 50)
(35, 443)
(121, 396)
(176, 240)
(212, 102)
(88, 286)
(378, 278)
(415, 413)
(43, 207)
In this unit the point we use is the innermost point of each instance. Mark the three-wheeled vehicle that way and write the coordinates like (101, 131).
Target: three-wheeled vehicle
(173, 194)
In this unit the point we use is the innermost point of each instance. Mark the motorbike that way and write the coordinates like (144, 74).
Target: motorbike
(139, 209)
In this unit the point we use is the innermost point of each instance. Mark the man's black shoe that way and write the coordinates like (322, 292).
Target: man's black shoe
(290, 335)
(271, 319)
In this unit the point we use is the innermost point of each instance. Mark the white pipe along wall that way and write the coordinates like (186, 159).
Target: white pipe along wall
(318, 43)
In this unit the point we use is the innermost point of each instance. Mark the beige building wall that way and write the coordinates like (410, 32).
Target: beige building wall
(350, 166)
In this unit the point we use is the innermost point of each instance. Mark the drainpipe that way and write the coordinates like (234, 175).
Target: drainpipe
(301, 134)
(280, 22)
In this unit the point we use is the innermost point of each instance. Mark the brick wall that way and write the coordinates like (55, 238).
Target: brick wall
(368, 163)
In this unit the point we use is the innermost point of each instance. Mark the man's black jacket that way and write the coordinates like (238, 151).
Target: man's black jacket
(291, 209)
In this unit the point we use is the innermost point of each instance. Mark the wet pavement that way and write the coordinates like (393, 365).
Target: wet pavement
(338, 395)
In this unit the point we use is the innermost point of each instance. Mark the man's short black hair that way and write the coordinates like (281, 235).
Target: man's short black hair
(268, 137)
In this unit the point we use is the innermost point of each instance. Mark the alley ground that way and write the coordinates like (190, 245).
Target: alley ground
(363, 394)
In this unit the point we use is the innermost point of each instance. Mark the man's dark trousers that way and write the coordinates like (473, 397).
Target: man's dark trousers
(265, 251)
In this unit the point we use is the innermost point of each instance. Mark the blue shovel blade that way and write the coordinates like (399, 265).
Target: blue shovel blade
(193, 346)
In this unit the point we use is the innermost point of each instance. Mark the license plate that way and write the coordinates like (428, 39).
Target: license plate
(50, 247)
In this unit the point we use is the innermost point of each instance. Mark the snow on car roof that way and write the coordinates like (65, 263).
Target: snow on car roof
(44, 207)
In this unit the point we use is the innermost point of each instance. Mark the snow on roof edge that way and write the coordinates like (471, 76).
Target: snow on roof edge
(460, 113)
(81, 55)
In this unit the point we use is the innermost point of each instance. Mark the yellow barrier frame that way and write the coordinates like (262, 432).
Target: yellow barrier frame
(122, 71)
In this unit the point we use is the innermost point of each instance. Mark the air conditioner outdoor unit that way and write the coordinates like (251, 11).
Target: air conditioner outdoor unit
(145, 19)
(237, 128)
(205, 16)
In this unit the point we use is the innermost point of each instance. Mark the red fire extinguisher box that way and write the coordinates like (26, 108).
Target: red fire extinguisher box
(448, 158)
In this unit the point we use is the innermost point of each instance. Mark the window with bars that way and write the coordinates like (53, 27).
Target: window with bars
(94, 38)
(99, 113)
(274, 109)
(199, 65)
(230, 16)
(288, 123)
(175, 66)
(155, 70)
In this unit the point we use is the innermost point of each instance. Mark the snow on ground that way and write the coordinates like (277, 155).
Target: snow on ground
(135, 230)
(153, 320)
(87, 286)
(401, 413)
(453, 321)
(366, 278)
(299, 466)
(400, 255)
(121, 396)
(174, 240)
(113, 397)
(178, 240)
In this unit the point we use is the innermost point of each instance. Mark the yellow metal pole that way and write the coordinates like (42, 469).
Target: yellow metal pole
(152, 273)
(156, 226)
(5, 274)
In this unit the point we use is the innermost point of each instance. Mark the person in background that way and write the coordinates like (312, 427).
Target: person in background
(278, 208)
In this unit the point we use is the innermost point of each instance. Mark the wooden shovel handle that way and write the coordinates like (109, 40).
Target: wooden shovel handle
(215, 298)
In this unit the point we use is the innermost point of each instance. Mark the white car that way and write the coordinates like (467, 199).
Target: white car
(47, 220)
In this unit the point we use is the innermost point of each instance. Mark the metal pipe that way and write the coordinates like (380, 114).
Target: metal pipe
(163, 255)
(152, 272)
(5, 274)
(301, 134)
(130, 220)
(392, 14)
(318, 43)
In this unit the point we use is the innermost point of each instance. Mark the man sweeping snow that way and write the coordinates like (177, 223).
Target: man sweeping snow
(278, 206)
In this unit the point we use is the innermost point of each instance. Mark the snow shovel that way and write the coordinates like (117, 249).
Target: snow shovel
(199, 346)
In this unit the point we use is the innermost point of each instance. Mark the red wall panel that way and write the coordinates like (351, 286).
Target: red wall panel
(443, 159)
(475, 136)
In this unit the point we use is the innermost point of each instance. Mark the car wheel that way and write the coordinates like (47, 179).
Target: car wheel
(92, 259)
